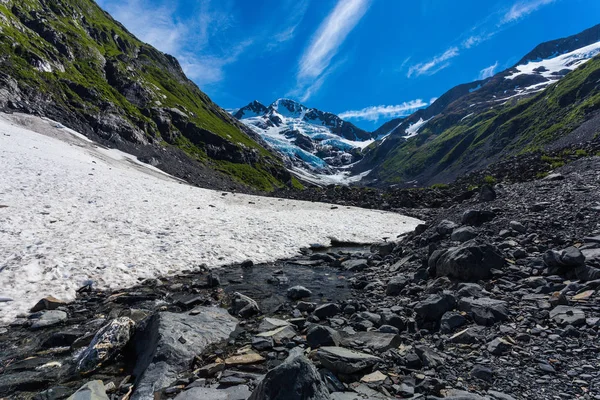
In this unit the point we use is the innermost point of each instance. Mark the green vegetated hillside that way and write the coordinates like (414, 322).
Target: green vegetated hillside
(70, 61)
(455, 142)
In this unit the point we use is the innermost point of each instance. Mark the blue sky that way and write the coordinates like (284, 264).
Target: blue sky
(366, 60)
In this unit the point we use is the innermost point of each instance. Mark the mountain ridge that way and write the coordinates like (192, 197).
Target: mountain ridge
(71, 61)
(476, 113)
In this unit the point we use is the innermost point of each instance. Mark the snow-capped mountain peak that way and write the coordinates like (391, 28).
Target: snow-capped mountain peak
(318, 145)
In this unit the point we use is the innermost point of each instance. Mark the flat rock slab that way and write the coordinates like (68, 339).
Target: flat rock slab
(374, 340)
(485, 311)
(169, 341)
(345, 361)
(93, 390)
(565, 315)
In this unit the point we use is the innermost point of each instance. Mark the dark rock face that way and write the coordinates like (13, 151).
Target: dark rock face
(160, 352)
(484, 311)
(319, 335)
(295, 379)
(471, 261)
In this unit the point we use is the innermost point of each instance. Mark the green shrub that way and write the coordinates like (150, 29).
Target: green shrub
(490, 180)
(440, 186)
(581, 153)
(557, 164)
(541, 175)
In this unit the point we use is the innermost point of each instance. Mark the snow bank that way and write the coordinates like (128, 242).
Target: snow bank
(76, 211)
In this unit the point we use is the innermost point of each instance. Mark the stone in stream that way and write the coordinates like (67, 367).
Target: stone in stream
(298, 292)
(107, 343)
(243, 306)
(93, 390)
(294, 379)
(471, 261)
(167, 342)
(344, 361)
(355, 265)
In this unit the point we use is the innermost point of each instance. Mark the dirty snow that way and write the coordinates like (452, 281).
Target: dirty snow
(76, 212)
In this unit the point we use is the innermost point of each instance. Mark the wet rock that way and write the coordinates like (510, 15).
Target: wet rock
(107, 343)
(355, 265)
(470, 261)
(463, 234)
(384, 249)
(319, 335)
(49, 318)
(47, 303)
(295, 379)
(565, 315)
(298, 292)
(160, 353)
(243, 306)
(484, 311)
(305, 306)
(345, 361)
(93, 390)
(327, 310)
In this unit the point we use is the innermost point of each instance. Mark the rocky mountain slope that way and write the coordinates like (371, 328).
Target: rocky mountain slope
(318, 146)
(70, 61)
(551, 97)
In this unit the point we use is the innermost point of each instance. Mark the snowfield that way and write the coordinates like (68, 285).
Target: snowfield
(71, 211)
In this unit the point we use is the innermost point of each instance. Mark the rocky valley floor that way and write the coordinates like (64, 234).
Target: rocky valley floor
(495, 296)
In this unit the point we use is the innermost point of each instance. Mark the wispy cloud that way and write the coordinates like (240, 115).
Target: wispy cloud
(434, 65)
(523, 8)
(483, 31)
(374, 113)
(324, 46)
(488, 71)
(295, 14)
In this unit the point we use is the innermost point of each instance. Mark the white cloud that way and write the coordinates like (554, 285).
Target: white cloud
(374, 113)
(330, 35)
(435, 65)
(523, 8)
(489, 71)
(432, 100)
(295, 14)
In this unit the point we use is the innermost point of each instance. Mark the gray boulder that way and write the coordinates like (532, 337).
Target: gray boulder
(295, 379)
(167, 343)
(463, 234)
(485, 311)
(298, 292)
(445, 227)
(433, 307)
(471, 261)
(319, 335)
(344, 361)
(243, 306)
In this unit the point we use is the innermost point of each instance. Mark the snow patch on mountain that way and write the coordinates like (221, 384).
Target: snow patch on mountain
(413, 129)
(555, 68)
